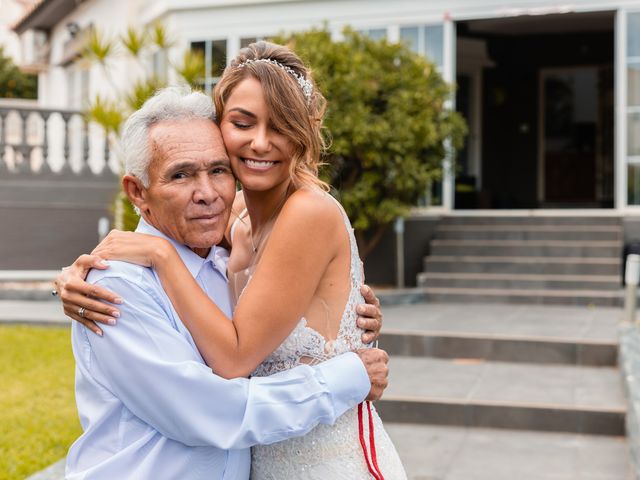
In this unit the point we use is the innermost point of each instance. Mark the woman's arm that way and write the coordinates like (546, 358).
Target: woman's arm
(300, 248)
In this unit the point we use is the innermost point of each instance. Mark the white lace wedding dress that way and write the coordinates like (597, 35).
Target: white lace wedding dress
(328, 452)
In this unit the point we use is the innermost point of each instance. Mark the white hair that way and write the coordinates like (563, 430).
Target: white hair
(170, 103)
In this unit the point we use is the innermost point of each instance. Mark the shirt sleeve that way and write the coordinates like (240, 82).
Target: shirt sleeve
(155, 372)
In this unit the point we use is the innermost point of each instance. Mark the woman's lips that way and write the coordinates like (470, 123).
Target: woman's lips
(258, 164)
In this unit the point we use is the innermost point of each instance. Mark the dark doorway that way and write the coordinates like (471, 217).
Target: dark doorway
(542, 132)
(574, 118)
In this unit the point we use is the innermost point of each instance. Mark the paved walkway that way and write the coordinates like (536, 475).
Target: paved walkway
(432, 452)
(451, 453)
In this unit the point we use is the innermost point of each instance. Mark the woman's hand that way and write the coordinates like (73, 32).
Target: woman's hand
(85, 302)
(76, 294)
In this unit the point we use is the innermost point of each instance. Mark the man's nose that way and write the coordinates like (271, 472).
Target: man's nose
(204, 191)
(261, 142)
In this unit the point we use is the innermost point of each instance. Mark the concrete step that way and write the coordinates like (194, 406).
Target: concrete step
(505, 333)
(500, 348)
(524, 296)
(455, 453)
(44, 313)
(523, 265)
(476, 393)
(519, 281)
(518, 219)
(529, 232)
(26, 284)
(527, 248)
(419, 295)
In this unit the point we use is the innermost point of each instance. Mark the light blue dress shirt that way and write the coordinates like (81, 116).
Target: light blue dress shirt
(151, 409)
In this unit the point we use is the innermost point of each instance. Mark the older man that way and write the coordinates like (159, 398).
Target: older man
(149, 406)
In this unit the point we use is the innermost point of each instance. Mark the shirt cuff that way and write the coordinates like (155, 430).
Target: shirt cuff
(346, 379)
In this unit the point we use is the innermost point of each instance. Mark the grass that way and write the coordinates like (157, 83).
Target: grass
(38, 417)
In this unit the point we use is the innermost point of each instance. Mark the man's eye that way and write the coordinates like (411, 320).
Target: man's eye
(179, 175)
(219, 170)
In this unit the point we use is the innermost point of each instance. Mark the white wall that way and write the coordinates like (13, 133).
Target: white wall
(10, 12)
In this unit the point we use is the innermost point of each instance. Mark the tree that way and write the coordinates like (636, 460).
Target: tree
(387, 121)
(13, 82)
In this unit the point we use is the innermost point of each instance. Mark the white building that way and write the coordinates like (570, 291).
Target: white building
(10, 12)
(551, 91)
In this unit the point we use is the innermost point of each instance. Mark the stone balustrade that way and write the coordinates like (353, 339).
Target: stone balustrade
(42, 141)
(58, 178)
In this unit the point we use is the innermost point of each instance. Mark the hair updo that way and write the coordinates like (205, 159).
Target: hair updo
(293, 113)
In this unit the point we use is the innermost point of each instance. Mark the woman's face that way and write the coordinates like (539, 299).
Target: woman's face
(260, 156)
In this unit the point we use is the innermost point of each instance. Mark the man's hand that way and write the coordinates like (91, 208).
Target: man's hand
(376, 362)
(369, 315)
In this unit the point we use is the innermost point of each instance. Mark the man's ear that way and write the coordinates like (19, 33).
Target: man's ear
(136, 191)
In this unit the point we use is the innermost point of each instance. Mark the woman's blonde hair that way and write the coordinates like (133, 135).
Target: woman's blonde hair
(296, 107)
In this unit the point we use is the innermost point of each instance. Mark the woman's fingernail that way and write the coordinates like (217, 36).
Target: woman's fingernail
(115, 313)
(118, 300)
(104, 263)
(99, 333)
(111, 321)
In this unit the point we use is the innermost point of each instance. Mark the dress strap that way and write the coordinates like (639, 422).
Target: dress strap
(232, 231)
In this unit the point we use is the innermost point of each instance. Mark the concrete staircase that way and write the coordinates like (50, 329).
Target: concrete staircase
(531, 376)
(534, 260)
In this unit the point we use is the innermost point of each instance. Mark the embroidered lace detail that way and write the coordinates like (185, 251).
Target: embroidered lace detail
(328, 451)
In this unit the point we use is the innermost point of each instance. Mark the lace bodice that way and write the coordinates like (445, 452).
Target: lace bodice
(306, 345)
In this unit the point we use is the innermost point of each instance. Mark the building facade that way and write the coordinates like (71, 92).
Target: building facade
(551, 92)
(10, 12)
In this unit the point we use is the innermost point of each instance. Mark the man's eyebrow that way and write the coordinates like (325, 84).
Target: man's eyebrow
(181, 166)
(189, 166)
(244, 112)
(222, 162)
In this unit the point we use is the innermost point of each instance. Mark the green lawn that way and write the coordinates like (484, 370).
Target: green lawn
(38, 418)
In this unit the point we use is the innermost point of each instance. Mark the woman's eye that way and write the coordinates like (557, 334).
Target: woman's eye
(241, 126)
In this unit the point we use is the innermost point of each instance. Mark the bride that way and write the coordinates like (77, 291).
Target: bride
(290, 239)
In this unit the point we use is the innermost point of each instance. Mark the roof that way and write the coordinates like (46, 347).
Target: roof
(45, 14)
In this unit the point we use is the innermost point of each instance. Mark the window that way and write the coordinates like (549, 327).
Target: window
(215, 61)
(374, 33)
(245, 42)
(78, 87)
(633, 108)
(427, 40)
(159, 65)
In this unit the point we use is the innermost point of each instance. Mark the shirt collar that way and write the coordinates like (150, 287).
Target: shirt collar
(218, 256)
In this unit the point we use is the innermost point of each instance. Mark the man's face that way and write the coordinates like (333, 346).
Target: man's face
(191, 187)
